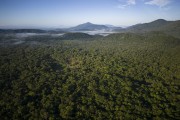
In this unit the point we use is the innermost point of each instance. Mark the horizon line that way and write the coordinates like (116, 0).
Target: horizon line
(64, 26)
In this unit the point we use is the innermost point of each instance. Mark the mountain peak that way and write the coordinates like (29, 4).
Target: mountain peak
(160, 20)
(88, 22)
(89, 26)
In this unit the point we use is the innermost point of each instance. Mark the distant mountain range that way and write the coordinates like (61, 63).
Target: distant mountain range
(169, 27)
(156, 25)
(91, 27)
(88, 27)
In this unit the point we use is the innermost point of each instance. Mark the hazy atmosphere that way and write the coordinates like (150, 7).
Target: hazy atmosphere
(66, 13)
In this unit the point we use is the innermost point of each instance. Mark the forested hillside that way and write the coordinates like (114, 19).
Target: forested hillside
(169, 27)
(122, 76)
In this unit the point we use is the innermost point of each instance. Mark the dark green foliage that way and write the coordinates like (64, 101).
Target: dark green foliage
(121, 76)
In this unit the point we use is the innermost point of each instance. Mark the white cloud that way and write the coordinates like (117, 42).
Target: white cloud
(131, 2)
(160, 3)
(127, 3)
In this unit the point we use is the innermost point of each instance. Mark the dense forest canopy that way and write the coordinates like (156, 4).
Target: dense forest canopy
(78, 76)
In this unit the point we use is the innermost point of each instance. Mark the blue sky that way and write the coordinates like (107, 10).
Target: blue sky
(64, 13)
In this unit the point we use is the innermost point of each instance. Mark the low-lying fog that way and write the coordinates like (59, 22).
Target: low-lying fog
(97, 32)
(19, 38)
(21, 35)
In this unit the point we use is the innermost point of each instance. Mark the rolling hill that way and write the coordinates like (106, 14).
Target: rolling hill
(22, 31)
(168, 27)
